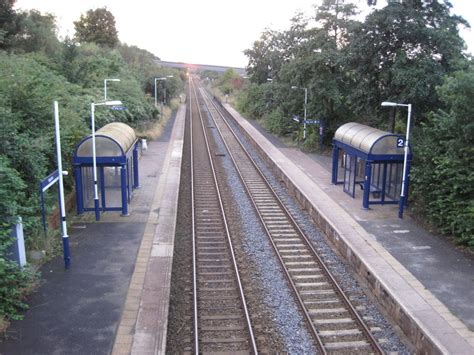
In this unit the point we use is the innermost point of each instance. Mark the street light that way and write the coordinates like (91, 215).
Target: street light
(105, 87)
(65, 238)
(94, 157)
(160, 79)
(305, 105)
(405, 158)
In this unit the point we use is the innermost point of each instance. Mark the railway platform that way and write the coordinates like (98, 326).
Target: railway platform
(114, 298)
(421, 280)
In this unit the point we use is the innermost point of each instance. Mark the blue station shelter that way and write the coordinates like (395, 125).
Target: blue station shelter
(117, 168)
(372, 159)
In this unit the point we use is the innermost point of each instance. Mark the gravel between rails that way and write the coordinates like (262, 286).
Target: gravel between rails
(278, 323)
(278, 317)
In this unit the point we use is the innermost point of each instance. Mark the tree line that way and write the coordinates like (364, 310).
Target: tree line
(38, 68)
(409, 51)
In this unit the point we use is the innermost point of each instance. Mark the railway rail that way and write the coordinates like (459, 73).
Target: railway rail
(221, 319)
(332, 319)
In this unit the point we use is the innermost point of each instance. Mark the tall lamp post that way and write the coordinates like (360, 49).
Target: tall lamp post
(305, 106)
(156, 91)
(405, 158)
(67, 256)
(105, 87)
(94, 155)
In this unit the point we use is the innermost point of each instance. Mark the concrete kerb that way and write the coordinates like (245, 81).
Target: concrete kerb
(143, 326)
(418, 331)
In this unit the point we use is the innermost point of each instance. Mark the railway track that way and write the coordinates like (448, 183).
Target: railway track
(221, 319)
(332, 319)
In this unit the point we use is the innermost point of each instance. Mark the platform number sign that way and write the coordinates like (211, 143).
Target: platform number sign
(400, 142)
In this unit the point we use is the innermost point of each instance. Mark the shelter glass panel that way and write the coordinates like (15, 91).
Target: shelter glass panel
(376, 185)
(87, 186)
(112, 187)
(349, 174)
(394, 181)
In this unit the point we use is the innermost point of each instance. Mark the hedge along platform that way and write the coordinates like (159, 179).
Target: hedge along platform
(371, 158)
(117, 164)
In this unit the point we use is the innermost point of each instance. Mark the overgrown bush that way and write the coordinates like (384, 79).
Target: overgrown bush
(251, 101)
(14, 281)
(443, 173)
(15, 284)
(37, 69)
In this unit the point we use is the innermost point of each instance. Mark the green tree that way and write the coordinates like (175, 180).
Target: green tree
(9, 23)
(265, 57)
(320, 64)
(401, 53)
(228, 82)
(36, 33)
(97, 26)
(90, 64)
(143, 65)
(307, 57)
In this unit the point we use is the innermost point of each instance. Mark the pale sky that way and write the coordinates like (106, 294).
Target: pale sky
(199, 31)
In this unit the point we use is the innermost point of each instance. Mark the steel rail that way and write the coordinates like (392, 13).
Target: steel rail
(359, 321)
(253, 343)
(193, 218)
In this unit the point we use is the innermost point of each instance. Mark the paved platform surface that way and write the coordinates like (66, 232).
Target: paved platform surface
(425, 273)
(82, 310)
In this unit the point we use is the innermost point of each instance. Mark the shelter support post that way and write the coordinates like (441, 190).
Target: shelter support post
(136, 182)
(123, 178)
(367, 179)
(384, 182)
(79, 192)
(335, 164)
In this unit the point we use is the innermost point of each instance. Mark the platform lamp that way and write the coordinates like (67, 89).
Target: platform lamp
(156, 92)
(61, 173)
(94, 155)
(305, 105)
(405, 158)
(105, 87)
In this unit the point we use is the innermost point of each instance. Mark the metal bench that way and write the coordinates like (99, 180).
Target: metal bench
(374, 190)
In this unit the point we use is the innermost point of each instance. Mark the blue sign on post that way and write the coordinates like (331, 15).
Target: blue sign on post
(118, 108)
(311, 121)
(44, 185)
(49, 180)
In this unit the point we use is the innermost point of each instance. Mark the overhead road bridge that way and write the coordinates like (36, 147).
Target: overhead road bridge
(199, 67)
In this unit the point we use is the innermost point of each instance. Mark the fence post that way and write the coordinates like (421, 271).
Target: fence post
(17, 250)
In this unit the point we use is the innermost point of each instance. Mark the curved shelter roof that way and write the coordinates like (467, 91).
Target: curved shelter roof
(113, 140)
(371, 141)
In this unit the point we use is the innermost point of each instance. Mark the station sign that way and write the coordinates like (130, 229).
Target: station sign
(400, 142)
(49, 181)
(118, 108)
(311, 121)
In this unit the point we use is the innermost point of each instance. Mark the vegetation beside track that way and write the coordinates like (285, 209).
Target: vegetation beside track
(405, 52)
(38, 68)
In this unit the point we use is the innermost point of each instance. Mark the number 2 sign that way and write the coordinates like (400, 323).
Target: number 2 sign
(400, 142)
